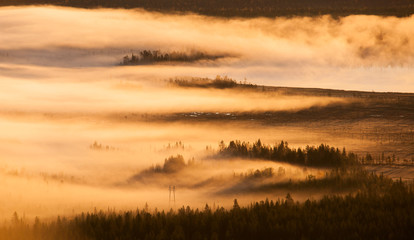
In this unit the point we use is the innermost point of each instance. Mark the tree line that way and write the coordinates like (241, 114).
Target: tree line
(320, 156)
(336, 180)
(151, 57)
(245, 8)
(218, 82)
(364, 215)
(172, 164)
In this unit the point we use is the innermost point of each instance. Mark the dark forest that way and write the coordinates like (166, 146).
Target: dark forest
(245, 8)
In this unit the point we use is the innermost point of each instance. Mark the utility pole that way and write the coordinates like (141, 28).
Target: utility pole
(174, 193)
(171, 189)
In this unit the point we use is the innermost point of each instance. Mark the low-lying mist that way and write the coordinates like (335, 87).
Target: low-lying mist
(354, 52)
(78, 130)
(66, 165)
(108, 97)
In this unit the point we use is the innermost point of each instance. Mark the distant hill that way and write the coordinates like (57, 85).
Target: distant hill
(245, 8)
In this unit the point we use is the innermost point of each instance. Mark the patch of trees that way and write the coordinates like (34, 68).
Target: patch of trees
(382, 159)
(320, 156)
(267, 172)
(335, 180)
(364, 215)
(99, 147)
(219, 82)
(171, 164)
(341, 180)
(151, 57)
(172, 167)
(245, 8)
(177, 146)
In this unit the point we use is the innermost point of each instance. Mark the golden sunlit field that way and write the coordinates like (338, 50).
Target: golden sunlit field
(117, 110)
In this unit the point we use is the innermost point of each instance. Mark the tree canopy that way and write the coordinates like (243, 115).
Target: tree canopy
(320, 156)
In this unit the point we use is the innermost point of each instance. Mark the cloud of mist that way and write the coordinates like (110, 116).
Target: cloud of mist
(62, 91)
(354, 52)
(48, 166)
(86, 97)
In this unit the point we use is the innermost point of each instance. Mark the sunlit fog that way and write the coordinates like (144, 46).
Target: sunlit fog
(356, 52)
(81, 130)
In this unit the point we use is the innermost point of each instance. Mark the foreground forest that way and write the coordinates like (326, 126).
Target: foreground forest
(244, 8)
(379, 212)
(360, 204)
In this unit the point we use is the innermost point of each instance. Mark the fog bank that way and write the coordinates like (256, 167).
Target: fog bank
(354, 52)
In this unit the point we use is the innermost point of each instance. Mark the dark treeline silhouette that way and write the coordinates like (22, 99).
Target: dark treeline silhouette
(176, 146)
(245, 8)
(171, 165)
(152, 57)
(267, 172)
(321, 156)
(219, 82)
(382, 159)
(337, 180)
(364, 215)
(99, 146)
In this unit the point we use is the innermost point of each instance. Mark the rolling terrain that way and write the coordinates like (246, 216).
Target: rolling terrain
(158, 122)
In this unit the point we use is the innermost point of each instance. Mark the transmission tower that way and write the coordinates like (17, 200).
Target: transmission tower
(174, 193)
(171, 189)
